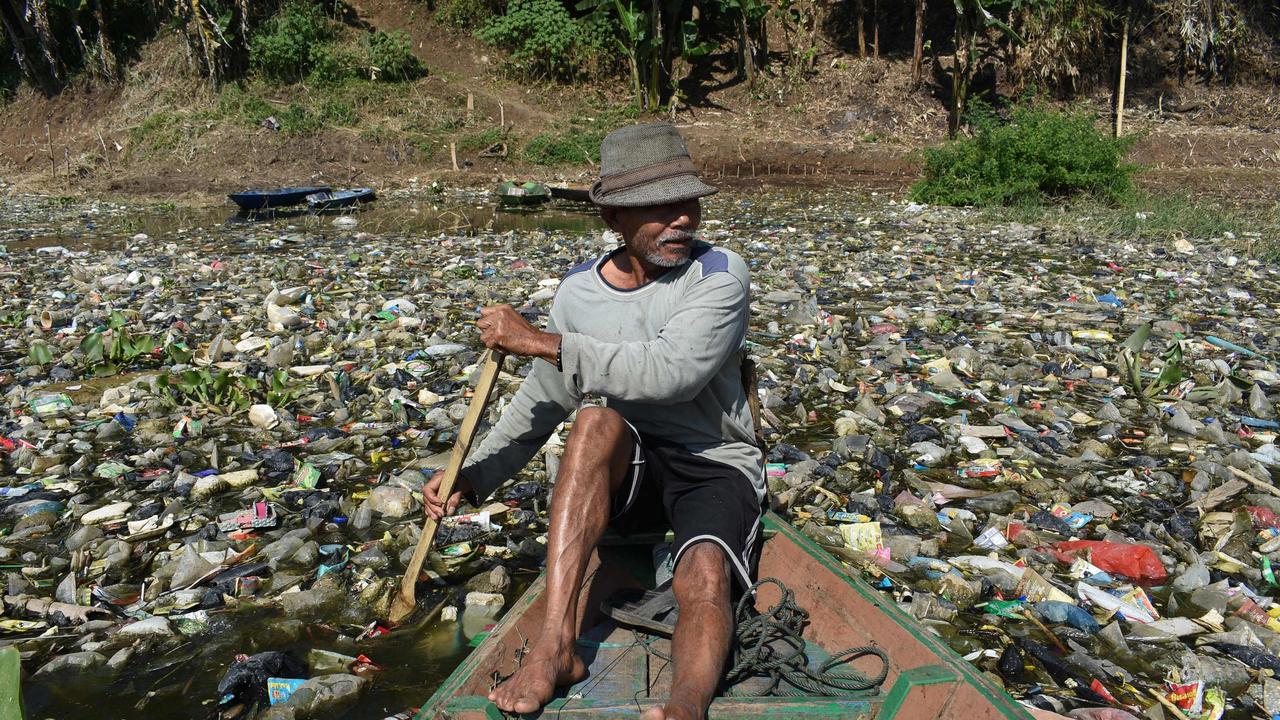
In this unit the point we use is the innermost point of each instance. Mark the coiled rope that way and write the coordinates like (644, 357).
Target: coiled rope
(771, 644)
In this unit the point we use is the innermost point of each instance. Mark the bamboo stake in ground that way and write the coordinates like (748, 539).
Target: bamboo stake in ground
(404, 602)
(1124, 63)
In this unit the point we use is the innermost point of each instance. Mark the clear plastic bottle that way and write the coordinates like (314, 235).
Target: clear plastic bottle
(363, 517)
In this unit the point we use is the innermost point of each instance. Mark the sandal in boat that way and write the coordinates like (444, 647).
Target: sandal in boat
(654, 611)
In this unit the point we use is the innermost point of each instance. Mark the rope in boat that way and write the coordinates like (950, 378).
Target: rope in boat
(771, 644)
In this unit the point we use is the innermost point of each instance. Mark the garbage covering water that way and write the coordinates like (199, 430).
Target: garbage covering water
(1055, 451)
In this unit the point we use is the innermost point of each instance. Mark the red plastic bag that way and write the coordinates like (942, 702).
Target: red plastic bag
(1262, 517)
(1139, 563)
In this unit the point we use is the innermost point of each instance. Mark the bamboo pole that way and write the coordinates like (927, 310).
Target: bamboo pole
(405, 601)
(1124, 61)
(48, 146)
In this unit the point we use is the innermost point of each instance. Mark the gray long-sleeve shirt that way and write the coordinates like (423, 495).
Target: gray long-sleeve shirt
(665, 355)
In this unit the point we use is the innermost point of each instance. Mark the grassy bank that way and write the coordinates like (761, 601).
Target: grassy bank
(396, 116)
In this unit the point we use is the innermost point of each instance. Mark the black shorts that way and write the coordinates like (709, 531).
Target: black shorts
(701, 500)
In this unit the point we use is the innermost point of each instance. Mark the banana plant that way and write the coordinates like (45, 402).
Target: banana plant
(651, 36)
(1131, 367)
(753, 43)
(635, 39)
(972, 20)
(635, 42)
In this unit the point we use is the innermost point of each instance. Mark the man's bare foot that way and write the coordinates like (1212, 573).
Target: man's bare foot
(675, 709)
(535, 683)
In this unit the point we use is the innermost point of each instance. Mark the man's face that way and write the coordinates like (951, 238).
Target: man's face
(661, 234)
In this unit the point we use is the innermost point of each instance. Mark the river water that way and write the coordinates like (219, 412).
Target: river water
(860, 300)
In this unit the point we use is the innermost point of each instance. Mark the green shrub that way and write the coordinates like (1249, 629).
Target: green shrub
(337, 112)
(391, 56)
(298, 119)
(165, 131)
(544, 40)
(241, 105)
(569, 148)
(285, 48)
(426, 147)
(479, 140)
(159, 132)
(1036, 155)
(466, 14)
(333, 64)
(598, 44)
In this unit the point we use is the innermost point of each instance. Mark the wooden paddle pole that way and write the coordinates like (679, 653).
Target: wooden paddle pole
(404, 603)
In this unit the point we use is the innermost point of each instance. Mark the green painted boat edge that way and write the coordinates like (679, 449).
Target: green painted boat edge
(728, 707)
(10, 684)
(474, 703)
(451, 684)
(1000, 700)
(915, 677)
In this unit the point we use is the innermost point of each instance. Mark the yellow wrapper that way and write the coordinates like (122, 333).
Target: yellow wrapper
(865, 536)
(1035, 588)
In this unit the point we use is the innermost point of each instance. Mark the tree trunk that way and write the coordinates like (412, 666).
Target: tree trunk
(815, 27)
(636, 87)
(1124, 62)
(859, 9)
(84, 47)
(38, 15)
(673, 12)
(653, 93)
(745, 53)
(762, 43)
(961, 73)
(208, 50)
(16, 29)
(104, 42)
(917, 53)
(244, 23)
(875, 29)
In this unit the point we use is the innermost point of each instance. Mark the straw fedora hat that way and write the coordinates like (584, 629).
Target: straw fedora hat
(646, 165)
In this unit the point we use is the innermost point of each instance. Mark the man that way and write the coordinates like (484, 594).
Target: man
(655, 328)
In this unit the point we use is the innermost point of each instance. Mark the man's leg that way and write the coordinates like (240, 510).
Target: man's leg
(700, 644)
(597, 458)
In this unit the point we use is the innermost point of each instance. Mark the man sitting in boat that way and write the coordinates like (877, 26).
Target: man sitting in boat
(655, 329)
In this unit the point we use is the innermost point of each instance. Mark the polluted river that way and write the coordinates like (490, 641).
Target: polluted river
(1056, 451)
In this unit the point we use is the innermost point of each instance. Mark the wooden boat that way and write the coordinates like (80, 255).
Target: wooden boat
(280, 197)
(572, 193)
(926, 679)
(339, 198)
(513, 194)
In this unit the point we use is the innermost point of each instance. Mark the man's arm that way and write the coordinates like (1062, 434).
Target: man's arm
(673, 367)
(542, 402)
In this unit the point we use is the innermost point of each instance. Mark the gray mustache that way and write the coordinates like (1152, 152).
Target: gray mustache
(676, 237)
